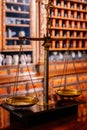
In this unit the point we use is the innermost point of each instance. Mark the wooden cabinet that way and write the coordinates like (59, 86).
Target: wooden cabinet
(16, 17)
(69, 24)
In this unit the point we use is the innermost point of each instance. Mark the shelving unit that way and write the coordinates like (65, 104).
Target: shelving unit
(16, 17)
(69, 24)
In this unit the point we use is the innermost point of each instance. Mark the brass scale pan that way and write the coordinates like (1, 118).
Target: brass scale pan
(21, 101)
(24, 101)
(68, 93)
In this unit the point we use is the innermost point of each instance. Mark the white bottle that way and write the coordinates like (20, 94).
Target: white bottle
(15, 59)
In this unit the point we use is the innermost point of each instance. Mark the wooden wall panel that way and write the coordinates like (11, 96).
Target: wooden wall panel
(0, 24)
(4, 119)
(3, 24)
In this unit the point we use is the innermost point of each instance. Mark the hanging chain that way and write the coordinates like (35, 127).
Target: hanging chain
(64, 73)
(30, 75)
(17, 74)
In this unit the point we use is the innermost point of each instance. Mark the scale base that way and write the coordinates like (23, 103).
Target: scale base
(41, 103)
(38, 114)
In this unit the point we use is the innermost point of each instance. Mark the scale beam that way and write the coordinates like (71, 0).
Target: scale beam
(43, 38)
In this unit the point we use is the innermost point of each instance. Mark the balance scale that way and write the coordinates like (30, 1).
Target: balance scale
(28, 110)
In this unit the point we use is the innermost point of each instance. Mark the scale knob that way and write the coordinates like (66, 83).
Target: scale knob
(21, 34)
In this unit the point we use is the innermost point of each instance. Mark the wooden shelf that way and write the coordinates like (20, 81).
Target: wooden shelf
(70, 9)
(68, 38)
(65, 49)
(69, 18)
(12, 38)
(70, 29)
(16, 48)
(18, 12)
(79, 1)
(18, 25)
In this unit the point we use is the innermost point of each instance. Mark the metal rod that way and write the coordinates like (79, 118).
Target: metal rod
(42, 39)
(46, 75)
(29, 38)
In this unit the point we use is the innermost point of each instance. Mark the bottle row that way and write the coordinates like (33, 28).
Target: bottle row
(17, 42)
(70, 4)
(68, 13)
(58, 56)
(66, 33)
(11, 7)
(14, 60)
(11, 20)
(14, 31)
(66, 44)
(24, 1)
(68, 23)
(54, 56)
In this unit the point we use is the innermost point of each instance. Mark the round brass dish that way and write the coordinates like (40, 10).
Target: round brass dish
(68, 93)
(21, 101)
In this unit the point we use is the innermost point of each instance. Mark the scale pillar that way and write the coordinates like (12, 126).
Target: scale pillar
(46, 72)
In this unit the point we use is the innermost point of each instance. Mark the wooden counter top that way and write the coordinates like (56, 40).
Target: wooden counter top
(74, 122)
